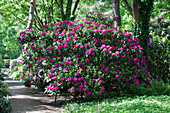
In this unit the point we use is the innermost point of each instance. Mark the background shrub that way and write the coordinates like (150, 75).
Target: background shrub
(159, 49)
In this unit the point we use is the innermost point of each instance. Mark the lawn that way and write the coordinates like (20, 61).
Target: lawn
(137, 104)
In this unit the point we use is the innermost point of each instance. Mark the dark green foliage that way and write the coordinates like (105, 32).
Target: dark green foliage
(141, 30)
(156, 88)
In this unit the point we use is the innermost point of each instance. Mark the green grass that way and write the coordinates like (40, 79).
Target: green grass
(137, 104)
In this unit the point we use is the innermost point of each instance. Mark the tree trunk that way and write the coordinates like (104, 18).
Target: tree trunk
(116, 12)
(135, 11)
(68, 10)
(31, 14)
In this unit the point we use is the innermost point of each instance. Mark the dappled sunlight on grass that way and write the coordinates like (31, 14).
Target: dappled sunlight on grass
(136, 104)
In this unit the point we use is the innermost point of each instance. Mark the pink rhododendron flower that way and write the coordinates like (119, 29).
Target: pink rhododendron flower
(76, 83)
(112, 35)
(100, 94)
(91, 49)
(61, 83)
(76, 46)
(102, 88)
(92, 80)
(43, 34)
(39, 47)
(121, 48)
(87, 52)
(77, 73)
(103, 66)
(117, 76)
(88, 94)
(106, 69)
(127, 80)
(52, 70)
(81, 46)
(104, 49)
(28, 54)
(32, 47)
(93, 54)
(69, 79)
(100, 77)
(54, 78)
(100, 81)
(117, 52)
(72, 89)
(87, 60)
(75, 79)
(70, 63)
(62, 79)
(52, 60)
(136, 83)
(87, 45)
(116, 43)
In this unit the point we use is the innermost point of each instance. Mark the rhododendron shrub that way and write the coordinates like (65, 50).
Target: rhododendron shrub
(85, 58)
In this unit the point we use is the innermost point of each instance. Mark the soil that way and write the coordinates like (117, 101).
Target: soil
(29, 100)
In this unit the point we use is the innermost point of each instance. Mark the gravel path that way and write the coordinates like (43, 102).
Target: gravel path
(28, 100)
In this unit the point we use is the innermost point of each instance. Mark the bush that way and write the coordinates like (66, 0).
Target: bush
(156, 88)
(88, 58)
(1, 63)
(159, 50)
(5, 106)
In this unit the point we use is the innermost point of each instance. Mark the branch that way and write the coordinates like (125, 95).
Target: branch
(75, 7)
(38, 18)
(127, 6)
(8, 4)
(28, 1)
(61, 8)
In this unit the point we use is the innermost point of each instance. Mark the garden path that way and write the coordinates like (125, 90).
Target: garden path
(29, 100)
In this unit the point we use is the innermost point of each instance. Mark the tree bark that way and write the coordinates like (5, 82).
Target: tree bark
(135, 11)
(31, 14)
(116, 12)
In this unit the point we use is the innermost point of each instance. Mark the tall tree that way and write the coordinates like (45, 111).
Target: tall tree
(116, 12)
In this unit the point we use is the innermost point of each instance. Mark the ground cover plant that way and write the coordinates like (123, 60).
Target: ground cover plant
(87, 58)
(137, 104)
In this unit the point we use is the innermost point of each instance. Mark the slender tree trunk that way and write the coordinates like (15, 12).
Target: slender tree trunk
(31, 14)
(135, 11)
(116, 12)
(68, 10)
